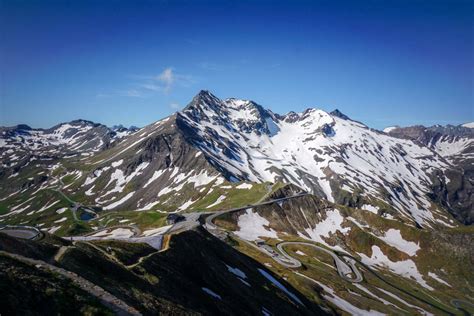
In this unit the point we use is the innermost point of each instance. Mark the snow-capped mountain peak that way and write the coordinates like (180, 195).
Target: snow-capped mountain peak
(324, 153)
(234, 114)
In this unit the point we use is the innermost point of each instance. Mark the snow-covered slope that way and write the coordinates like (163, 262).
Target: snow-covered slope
(319, 152)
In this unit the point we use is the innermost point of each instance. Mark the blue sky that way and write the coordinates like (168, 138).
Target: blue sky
(134, 62)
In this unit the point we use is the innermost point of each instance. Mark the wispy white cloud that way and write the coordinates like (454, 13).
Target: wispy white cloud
(165, 81)
(147, 85)
(167, 78)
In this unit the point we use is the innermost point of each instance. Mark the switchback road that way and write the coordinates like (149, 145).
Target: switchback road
(343, 268)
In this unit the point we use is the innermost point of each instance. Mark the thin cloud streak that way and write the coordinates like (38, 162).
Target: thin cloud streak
(146, 85)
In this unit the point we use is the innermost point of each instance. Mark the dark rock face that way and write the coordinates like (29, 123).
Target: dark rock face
(455, 192)
(328, 130)
(339, 114)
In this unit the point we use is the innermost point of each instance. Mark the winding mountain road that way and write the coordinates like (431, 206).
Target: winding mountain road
(459, 305)
(23, 232)
(343, 268)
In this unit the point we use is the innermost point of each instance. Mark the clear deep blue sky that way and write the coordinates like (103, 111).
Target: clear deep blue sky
(134, 62)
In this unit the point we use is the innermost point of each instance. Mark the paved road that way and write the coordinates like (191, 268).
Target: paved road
(109, 300)
(135, 230)
(154, 241)
(23, 232)
(344, 268)
(191, 220)
(278, 257)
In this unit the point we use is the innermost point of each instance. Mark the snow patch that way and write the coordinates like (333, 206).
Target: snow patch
(121, 201)
(117, 233)
(405, 268)
(370, 208)
(244, 186)
(280, 286)
(252, 226)
(326, 228)
(54, 229)
(61, 210)
(211, 293)
(394, 238)
(437, 278)
(343, 304)
(218, 201)
(155, 176)
(239, 273)
(117, 163)
(61, 220)
(389, 129)
(156, 231)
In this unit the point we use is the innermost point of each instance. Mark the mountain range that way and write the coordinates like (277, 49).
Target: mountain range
(412, 173)
(385, 197)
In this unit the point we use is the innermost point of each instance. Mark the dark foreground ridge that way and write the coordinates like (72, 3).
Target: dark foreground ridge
(194, 276)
